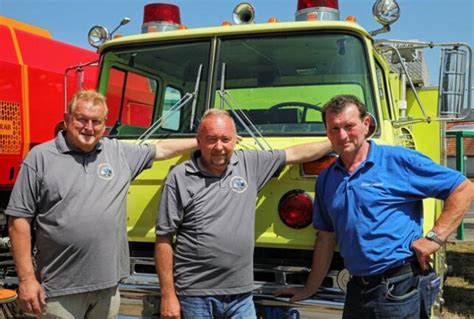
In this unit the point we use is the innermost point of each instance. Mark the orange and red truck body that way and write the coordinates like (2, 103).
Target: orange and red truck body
(32, 86)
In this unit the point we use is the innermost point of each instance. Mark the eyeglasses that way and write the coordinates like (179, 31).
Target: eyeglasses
(94, 122)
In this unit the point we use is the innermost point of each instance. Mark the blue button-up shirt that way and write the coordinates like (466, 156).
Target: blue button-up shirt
(376, 212)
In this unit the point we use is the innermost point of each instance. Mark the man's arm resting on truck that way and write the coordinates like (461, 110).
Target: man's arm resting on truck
(322, 257)
(455, 207)
(170, 308)
(170, 148)
(307, 152)
(30, 293)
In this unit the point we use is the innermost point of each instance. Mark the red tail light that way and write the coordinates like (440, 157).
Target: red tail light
(296, 209)
(304, 4)
(314, 168)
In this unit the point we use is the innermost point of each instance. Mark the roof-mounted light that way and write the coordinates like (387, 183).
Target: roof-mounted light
(386, 12)
(123, 22)
(164, 16)
(97, 35)
(324, 9)
(304, 4)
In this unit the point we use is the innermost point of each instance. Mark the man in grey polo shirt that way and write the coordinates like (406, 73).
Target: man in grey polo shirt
(74, 189)
(209, 203)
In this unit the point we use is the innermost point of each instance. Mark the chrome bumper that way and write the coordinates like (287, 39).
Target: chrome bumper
(140, 298)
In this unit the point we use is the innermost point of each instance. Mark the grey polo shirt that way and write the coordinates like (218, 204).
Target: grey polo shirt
(78, 202)
(214, 220)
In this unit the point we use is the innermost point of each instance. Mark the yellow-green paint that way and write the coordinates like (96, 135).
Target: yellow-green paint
(269, 231)
(427, 135)
(247, 29)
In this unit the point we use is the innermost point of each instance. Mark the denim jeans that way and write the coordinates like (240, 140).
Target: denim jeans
(239, 306)
(405, 296)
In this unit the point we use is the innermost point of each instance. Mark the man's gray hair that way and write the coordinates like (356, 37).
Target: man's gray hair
(88, 96)
(215, 112)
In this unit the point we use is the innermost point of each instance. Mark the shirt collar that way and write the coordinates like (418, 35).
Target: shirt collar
(371, 155)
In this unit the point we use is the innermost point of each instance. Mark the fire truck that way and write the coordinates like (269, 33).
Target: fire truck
(273, 78)
(37, 75)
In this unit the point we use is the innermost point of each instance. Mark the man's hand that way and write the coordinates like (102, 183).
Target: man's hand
(322, 256)
(295, 293)
(31, 296)
(170, 308)
(455, 207)
(423, 249)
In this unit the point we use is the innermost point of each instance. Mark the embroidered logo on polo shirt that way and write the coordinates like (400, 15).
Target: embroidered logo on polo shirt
(238, 184)
(365, 184)
(105, 171)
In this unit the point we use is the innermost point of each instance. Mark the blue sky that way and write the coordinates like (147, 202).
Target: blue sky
(70, 20)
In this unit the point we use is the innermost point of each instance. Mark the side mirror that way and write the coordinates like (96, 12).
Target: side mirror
(452, 83)
(372, 126)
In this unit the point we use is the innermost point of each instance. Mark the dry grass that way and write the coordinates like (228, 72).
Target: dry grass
(459, 285)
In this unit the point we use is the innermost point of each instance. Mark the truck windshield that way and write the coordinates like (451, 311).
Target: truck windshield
(279, 83)
(145, 84)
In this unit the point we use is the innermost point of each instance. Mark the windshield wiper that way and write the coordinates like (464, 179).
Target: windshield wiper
(193, 107)
(239, 113)
(175, 108)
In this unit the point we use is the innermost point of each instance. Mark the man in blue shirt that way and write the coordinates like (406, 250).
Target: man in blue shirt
(369, 202)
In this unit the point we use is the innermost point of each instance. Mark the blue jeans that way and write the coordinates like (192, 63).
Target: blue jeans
(405, 296)
(239, 306)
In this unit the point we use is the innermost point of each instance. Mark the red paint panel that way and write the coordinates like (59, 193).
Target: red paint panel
(7, 51)
(48, 54)
(10, 82)
(47, 60)
(137, 114)
(10, 110)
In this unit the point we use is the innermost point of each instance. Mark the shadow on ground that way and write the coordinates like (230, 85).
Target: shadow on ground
(459, 285)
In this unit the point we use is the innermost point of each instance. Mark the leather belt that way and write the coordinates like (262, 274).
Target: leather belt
(372, 280)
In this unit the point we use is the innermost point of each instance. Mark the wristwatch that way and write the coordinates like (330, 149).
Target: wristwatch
(433, 236)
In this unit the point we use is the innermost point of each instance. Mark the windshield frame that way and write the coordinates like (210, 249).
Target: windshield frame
(213, 70)
(369, 88)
